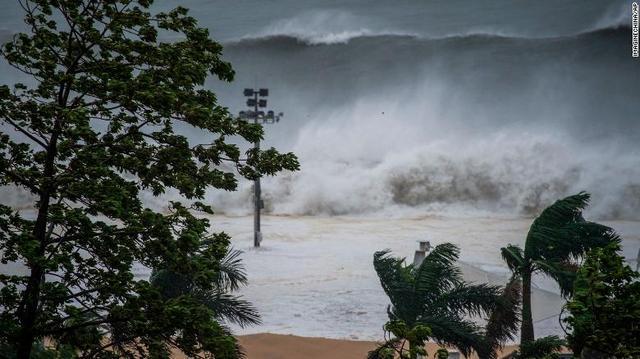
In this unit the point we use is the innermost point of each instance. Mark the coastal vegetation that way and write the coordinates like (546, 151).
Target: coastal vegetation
(101, 122)
(604, 312)
(557, 241)
(431, 301)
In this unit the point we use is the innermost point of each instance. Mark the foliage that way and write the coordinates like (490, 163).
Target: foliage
(441, 354)
(225, 306)
(558, 238)
(434, 295)
(403, 343)
(102, 122)
(605, 309)
(504, 319)
(541, 348)
(39, 351)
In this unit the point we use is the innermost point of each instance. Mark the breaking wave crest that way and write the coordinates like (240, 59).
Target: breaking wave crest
(337, 27)
(509, 174)
(321, 28)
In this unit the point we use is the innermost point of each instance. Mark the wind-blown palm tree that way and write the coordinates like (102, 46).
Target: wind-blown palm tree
(557, 240)
(225, 306)
(433, 295)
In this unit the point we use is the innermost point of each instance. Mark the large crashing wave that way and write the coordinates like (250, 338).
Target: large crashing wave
(510, 173)
(330, 27)
(483, 121)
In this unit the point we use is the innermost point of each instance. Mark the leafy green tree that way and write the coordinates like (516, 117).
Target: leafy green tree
(604, 313)
(404, 342)
(102, 121)
(434, 296)
(558, 238)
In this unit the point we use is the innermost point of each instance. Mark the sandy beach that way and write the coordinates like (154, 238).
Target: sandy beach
(275, 346)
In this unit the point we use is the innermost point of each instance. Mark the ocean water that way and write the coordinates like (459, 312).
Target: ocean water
(313, 276)
(449, 120)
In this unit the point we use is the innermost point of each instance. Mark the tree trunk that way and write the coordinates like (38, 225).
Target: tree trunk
(31, 300)
(526, 328)
(28, 311)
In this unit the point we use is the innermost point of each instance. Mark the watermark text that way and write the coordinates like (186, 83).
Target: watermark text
(635, 52)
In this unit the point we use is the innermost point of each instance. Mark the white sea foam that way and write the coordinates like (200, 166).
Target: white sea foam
(406, 155)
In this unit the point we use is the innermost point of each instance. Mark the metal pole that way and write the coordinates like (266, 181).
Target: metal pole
(257, 236)
(253, 97)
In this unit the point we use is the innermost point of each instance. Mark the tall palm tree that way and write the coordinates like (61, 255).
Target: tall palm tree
(434, 296)
(556, 242)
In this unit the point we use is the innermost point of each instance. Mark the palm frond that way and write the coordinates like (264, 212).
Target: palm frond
(504, 320)
(462, 334)
(559, 214)
(230, 308)
(514, 257)
(565, 210)
(561, 232)
(231, 274)
(438, 272)
(467, 299)
(397, 283)
(586, 236)
(563, 273)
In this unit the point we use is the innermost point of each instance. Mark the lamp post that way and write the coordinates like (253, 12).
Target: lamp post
(256, 99)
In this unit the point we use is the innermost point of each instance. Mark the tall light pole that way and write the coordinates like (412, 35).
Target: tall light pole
(256, 99)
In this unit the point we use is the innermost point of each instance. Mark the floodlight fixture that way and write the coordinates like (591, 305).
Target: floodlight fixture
(263, 92)
(262, 103)
(251, 102)
(248, 92)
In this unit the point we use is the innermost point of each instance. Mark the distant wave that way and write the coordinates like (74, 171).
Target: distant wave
(337, 26)
(345, 37)
(329, 38)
